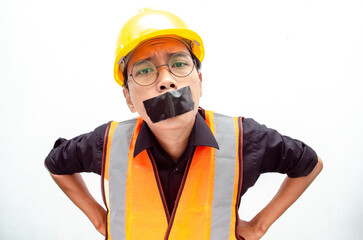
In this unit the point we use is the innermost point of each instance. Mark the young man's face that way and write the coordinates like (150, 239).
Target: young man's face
(158, 52)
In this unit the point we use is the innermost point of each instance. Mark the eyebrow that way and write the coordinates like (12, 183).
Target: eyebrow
(151, 57)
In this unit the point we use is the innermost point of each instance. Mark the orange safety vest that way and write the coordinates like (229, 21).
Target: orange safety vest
(208, 198)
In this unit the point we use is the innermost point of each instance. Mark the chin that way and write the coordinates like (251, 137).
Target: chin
(178, 122)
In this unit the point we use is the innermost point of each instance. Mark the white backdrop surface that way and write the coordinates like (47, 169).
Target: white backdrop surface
(296, 66)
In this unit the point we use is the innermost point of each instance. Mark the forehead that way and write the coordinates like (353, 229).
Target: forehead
(158, 47)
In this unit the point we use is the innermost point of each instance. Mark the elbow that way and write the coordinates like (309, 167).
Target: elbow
(319, 165)
(45, 165)
(317, 169)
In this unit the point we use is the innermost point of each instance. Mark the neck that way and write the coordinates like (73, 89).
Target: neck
(173, 141)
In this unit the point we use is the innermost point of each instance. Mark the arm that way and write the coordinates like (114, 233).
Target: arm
(67, 159)
(290, 190)
(75, 188)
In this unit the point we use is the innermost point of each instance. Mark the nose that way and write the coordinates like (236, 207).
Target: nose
(165, 79)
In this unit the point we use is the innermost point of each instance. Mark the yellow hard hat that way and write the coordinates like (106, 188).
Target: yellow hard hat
(150, 24)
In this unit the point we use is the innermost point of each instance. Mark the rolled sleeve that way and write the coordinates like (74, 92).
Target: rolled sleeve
(269, 151)
(284, 154)
(80, 154)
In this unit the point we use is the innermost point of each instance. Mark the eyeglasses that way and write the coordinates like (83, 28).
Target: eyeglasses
(145, 72)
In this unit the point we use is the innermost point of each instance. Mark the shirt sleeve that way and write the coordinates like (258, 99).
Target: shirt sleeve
(80, 154)
(266, 150)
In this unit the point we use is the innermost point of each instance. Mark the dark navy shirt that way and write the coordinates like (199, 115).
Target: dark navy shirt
(264, 150)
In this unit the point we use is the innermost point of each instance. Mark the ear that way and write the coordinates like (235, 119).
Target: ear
(128, 100)
(200, 82)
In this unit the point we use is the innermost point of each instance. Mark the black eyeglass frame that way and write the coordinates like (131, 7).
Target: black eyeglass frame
(157, 72)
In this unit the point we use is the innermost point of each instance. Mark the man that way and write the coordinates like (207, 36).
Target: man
(177, 171)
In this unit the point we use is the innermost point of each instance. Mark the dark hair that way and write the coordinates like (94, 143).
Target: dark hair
(197, 63)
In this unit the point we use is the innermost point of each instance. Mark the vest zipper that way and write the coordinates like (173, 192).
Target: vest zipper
(179, 195)
(240, 177)
(105, 142)
(156, 173)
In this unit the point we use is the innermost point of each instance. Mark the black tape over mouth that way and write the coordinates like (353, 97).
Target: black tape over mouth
(169, 104)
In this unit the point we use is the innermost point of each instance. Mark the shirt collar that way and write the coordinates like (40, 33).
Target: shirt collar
(201, 135)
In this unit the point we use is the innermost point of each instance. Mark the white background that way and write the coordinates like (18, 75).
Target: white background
(296, 66)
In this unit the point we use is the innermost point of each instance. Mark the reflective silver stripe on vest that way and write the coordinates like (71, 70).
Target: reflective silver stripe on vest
(225, 164)
(117, 177)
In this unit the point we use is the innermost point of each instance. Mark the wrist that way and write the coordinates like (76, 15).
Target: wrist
(250, 229)
(98, 218)
(259, 225)
(97, 212)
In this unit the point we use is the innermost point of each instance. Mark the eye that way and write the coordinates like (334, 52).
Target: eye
(179, 64)
(180, 61)
(144, 71)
